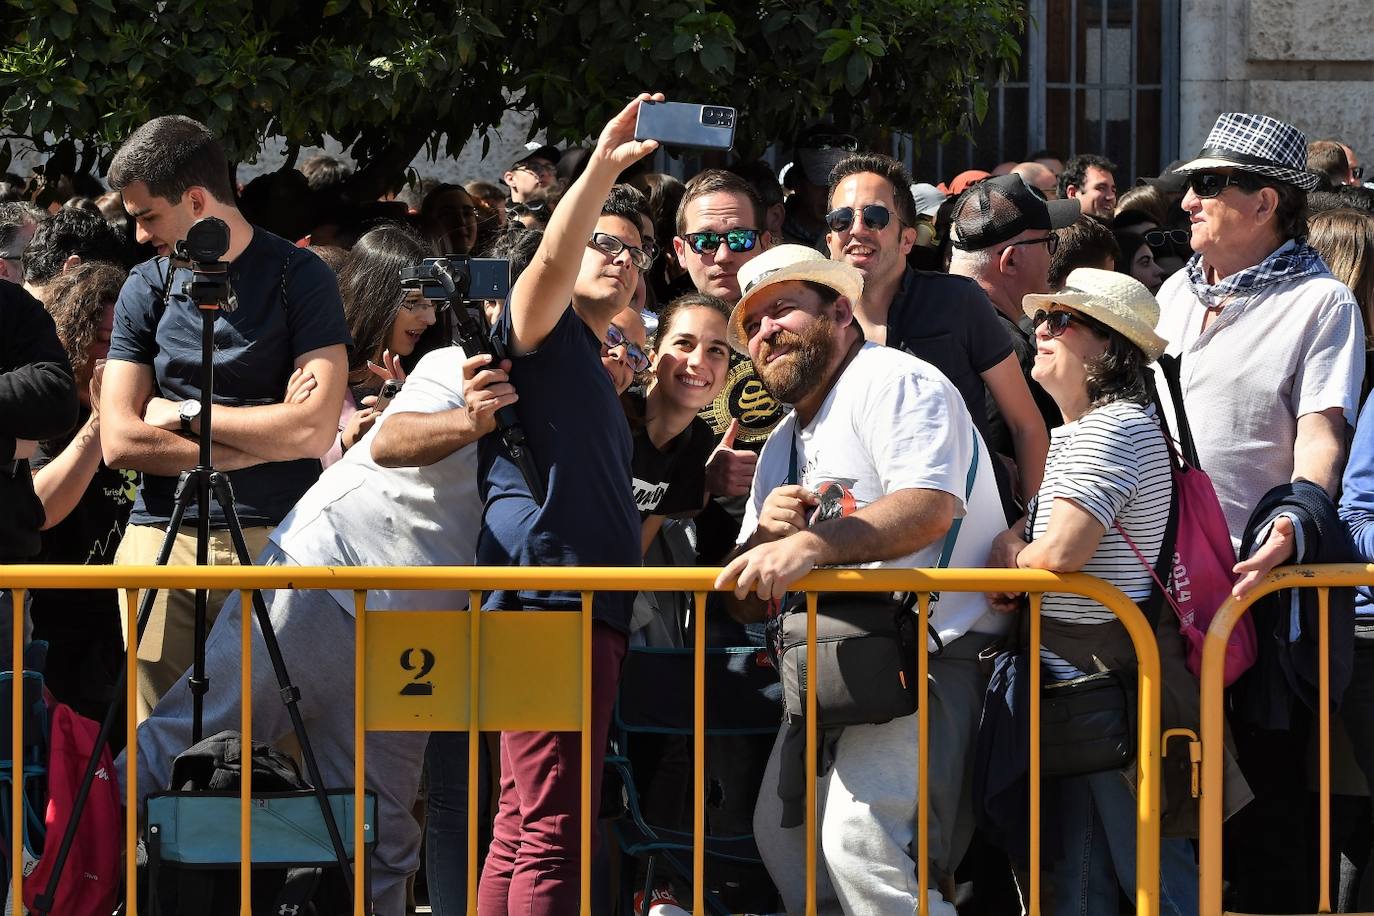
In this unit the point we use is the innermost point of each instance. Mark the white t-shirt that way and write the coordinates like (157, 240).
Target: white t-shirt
(361, 514)
(1114, 464)
(893, 422)
(1268, 358)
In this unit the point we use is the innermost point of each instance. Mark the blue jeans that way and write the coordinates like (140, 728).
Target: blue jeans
(1098, 855)
(446, 819)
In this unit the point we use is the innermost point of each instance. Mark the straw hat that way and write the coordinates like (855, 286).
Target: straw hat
(783, 263)
(1119, 301)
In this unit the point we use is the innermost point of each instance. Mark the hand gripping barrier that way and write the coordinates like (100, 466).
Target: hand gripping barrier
(459, 671)
(1323, 578)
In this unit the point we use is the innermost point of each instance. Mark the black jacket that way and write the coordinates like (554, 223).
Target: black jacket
(1286, 670)
(37, 401)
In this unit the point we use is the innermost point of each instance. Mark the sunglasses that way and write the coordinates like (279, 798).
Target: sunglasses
(1056, 323)
(1156, 238)
(1357, 173)
(875, 217)
(637, 359)
(1210, 184)
(611, 246)
(1051, 243)
(736, 240)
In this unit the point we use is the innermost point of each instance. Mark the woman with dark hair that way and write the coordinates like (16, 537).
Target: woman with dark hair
(387, 324)
(86, 502)
(1102, 509)
(448, 218)
(1137, 259)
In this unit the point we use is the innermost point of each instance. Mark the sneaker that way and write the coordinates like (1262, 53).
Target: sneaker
(661, 903)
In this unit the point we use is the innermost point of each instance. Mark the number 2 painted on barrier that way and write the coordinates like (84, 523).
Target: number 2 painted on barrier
(417, 687)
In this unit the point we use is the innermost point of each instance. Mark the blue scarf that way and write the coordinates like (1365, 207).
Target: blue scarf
(1290, 262)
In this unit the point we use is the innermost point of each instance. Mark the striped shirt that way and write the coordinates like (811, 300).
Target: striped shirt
(1113, 463)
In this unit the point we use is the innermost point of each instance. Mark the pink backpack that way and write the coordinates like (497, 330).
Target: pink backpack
(90, 881)
(1201, 578)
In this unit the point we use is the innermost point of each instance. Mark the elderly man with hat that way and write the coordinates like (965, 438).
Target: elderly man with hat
(1272, 345)
(1272, 355)
(1003, 237)
(877, 464)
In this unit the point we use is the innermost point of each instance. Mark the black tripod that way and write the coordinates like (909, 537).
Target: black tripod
(205, 244)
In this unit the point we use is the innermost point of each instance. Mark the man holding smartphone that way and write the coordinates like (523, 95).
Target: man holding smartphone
(555, 327)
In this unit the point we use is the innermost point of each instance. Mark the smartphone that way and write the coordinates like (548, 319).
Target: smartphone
(390, 388)
(686, 126)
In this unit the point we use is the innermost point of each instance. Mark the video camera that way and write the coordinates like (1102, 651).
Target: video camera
(201, 251)
(464, 284)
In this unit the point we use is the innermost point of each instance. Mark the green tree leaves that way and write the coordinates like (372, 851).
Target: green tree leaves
(389, 77)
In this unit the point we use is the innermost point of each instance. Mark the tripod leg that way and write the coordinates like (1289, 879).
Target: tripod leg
(198, 682)
(43, 904)
(290, 694)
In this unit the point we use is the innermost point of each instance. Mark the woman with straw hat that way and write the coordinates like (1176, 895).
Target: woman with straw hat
(1106, 494)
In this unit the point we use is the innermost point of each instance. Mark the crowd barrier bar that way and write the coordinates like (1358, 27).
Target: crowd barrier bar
(1323, 578)
(479, 714)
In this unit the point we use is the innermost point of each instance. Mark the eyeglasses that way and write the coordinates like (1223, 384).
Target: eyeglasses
(736, 240)
(1051, 243)
(1156, 238)
(537, 166)
(413, 302)
(1210, 184)
(611, 246)
(1056, 323)
(637, 359)
(875, 217)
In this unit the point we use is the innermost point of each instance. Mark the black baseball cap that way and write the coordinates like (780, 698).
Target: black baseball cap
(1170, 181)
(1001, 208)
(549, 154)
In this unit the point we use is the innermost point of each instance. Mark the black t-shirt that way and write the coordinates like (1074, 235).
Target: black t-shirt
(1023, 343)
(581, 443)
(89, 535)
(948, 322)
(671, 481)
(287, 304)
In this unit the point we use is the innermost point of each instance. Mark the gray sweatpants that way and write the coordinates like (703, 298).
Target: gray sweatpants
(316, 637)
(868, 806)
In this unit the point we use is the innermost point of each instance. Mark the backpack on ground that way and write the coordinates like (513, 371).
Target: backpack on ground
(192, 837)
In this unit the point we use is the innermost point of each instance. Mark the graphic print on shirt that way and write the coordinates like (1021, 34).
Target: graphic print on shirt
(648, 495)
(837, 500)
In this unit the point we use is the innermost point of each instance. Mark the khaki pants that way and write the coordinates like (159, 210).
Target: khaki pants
(167, 647)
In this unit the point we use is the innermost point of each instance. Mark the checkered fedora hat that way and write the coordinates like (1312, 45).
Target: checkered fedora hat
(1258, 144)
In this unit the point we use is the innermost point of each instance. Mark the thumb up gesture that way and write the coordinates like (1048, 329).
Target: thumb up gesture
(729, 470)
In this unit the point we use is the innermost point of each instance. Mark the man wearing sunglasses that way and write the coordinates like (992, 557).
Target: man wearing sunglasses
(534, 172)
(1272, 356)
(944, 320)
(555, 325)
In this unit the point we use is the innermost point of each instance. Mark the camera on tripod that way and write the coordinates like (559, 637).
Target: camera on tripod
(202, 251)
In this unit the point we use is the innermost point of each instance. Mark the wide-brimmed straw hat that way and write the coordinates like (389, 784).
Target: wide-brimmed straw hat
(1119, 301)
(1257, 144)
(783, 263)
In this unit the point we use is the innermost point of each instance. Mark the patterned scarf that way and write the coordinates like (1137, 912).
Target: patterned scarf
(1290, 262)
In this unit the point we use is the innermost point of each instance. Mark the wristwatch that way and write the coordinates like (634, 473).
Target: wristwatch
(189, 412)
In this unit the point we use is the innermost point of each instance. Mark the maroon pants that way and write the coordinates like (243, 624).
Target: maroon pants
(534, 864)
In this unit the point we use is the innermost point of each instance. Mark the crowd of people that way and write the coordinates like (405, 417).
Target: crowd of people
(771, 373)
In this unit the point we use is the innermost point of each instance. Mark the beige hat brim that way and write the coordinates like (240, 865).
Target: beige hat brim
(839, 276)
(1137, 332)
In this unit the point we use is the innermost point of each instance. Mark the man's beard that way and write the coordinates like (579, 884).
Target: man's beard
(793, 376)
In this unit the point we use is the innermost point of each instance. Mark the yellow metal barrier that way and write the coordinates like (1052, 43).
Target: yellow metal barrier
(474, 677)
(1323, 578)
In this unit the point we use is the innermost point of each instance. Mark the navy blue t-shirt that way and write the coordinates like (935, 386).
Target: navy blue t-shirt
(581, 443)
(256, 346)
